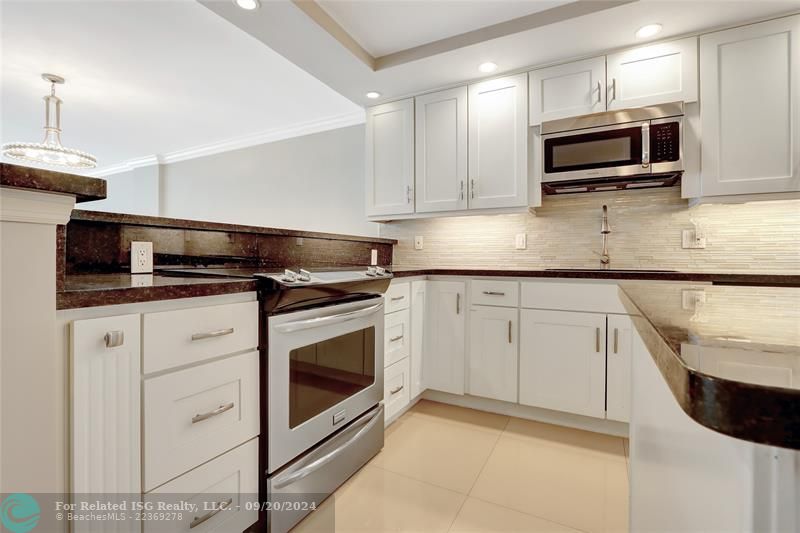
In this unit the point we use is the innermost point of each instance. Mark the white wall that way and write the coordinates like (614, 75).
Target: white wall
(314, 182)
(135, 191)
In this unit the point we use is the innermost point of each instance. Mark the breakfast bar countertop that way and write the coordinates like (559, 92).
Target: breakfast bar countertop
(729, 354)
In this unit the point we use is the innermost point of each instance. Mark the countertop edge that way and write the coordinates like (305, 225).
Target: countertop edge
(755, 413)
(84, 188)
(84, 298)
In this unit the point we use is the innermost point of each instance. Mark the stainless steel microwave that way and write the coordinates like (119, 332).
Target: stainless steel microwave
(630, 148)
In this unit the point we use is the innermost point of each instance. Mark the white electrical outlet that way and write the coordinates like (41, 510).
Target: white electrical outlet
(374, 258)
(418, 242)
(692, 239)
(141, 257)
(521, 241)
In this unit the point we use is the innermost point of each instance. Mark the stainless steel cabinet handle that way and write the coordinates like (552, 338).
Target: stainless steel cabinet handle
(218, 411)
(212, 334)
(221, 506)
(458, 303)
(645, 145)
(397, 298)
(394, 339)
(616, 340)
(597, 340)
(114, 339)
(494, 293)
(509, 332)
(396, 389)
(472, 188)
(409, 190)
(461, 195)
(613, 89)
(599, 94)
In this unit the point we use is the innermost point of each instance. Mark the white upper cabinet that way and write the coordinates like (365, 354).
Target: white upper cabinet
(390, 158)
(750, 113)
(498, 143)
(441, 151)
(562, 361)
(444, 339)
(493, 352)
(655, 74)
(568, 90)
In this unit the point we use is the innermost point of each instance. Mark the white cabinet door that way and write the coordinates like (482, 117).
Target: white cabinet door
(390, 158)
(493, 354)
(396, 337)
(498, 143)
(105, 406)
(441, 150)
(396, 389)
(618, 368)
(562, 361)
(568, 90)
(444, 342)
(418, 290)
(655, 74)
(750, 112)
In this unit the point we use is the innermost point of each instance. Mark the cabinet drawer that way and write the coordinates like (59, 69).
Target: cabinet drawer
(589, 297)
(396, 391)
(397, 297)
(175, 338)
(490, 292)
(196, 414)
(230, 481)
(396, 337)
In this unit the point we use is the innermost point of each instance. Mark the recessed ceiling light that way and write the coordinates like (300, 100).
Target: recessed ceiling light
(487, 67)
(372, 95)
(648, 31)
(249, 5)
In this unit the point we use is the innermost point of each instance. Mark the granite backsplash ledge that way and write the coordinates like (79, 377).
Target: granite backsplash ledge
(646, 228)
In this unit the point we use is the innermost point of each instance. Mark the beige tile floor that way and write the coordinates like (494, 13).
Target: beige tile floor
(450, 469)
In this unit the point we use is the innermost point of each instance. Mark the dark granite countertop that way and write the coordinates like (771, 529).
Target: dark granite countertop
(791, 280)
(162, 222)
(93, 290)
(730, 355)
(84, 188)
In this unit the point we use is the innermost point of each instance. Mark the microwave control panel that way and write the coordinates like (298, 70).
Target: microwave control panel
(665, 142)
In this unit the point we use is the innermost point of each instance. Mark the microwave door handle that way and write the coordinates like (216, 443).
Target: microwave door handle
(288, 478)
(338, 318)
(646, 145)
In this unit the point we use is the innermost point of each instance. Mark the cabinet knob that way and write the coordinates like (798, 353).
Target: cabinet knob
(114, 339)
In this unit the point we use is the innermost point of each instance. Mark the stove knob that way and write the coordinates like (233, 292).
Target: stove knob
(371, 271)
(304, 275)
(289, 276)
(380, 271)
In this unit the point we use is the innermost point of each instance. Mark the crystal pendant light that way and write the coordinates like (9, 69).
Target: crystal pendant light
(50, 151)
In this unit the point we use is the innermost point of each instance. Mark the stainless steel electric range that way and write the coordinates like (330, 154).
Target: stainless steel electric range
(321, 342)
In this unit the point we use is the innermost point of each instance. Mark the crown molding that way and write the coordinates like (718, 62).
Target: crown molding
(236, 143)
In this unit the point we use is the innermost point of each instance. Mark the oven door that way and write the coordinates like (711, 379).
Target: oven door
(324, 369)
(608, 151)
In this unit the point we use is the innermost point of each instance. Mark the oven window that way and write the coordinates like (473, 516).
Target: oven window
(323, 374)
(600, 149)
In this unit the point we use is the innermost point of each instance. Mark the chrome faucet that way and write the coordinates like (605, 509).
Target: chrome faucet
(605, 229)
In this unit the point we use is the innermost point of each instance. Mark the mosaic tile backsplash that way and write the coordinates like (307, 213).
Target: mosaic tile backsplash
(646, 227)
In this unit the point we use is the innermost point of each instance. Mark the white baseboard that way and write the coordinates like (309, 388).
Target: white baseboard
(608, 427)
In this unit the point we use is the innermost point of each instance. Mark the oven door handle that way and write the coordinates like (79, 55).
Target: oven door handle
(283, 480)
(298, 325)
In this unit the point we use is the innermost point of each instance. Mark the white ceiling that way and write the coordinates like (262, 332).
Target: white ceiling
(286, 29)
(388, 26)
(151, 78)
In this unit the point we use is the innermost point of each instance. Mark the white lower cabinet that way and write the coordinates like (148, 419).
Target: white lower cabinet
(396, 390)
(418, 295)
(443, 368)
(618, 367)
(218, 492)
(396, 337)
(562, 361)
(493, 352)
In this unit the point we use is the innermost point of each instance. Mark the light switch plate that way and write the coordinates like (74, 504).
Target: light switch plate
(521, 241)
(690, 239)
(418, 242)
(141, 257)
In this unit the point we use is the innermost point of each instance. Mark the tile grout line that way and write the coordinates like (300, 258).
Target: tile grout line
(532, 515)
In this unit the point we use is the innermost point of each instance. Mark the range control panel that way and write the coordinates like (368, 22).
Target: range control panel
(665, 142)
